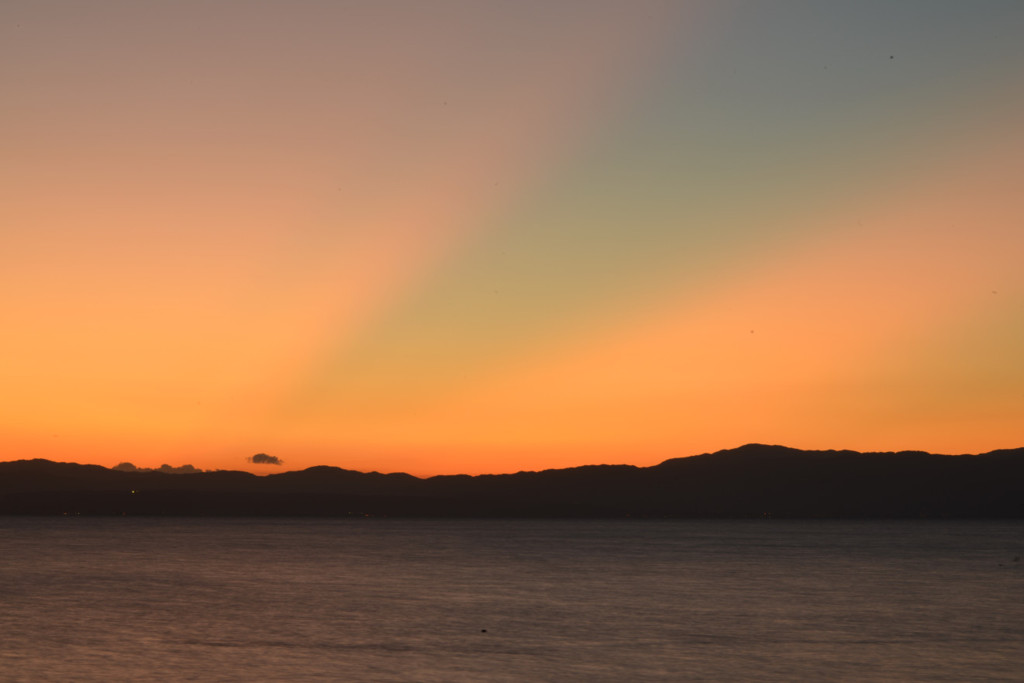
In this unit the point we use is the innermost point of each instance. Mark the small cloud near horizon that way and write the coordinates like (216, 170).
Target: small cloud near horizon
(264, 459)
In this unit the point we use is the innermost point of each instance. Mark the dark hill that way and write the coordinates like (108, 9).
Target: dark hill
(750, 481)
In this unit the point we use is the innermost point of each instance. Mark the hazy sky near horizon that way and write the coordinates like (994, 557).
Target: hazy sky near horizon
(454, 236)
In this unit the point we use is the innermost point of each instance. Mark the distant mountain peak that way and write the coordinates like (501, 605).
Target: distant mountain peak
(760, 449)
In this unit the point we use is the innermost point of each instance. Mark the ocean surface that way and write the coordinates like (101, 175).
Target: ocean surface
(98, 599)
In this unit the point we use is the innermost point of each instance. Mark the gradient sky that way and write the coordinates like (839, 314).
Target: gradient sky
(446, 236)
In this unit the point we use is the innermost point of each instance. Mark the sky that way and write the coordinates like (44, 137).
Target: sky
(480, 237)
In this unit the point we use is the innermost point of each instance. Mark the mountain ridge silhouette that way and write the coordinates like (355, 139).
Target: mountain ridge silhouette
(754, 480)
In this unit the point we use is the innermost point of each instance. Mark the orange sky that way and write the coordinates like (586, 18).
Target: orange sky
(485, 238)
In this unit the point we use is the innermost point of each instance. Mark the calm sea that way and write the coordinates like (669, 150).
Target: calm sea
(439, 600)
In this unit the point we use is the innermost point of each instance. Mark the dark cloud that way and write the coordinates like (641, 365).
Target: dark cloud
(264, 459)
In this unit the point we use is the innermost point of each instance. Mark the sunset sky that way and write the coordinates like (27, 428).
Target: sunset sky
(446, 236)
